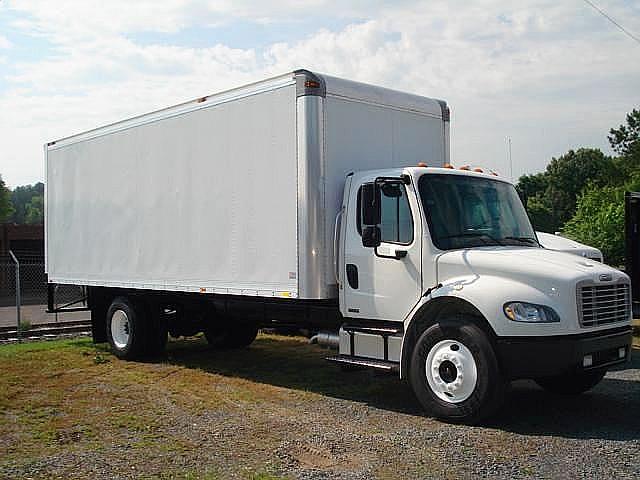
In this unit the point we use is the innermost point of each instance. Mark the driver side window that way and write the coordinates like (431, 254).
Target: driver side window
(397, 223)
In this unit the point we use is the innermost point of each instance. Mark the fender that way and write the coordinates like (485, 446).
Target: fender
(481, 297)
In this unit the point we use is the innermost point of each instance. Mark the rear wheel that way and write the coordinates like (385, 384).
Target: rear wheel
(231, 336)
(454, 372)
(127, 328)
(571, 384)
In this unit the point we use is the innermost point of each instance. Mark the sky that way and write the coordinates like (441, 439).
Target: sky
(550, 75)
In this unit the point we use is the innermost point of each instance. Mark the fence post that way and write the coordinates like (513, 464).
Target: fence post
(18, 299)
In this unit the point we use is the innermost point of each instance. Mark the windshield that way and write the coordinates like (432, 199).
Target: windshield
(464, 211)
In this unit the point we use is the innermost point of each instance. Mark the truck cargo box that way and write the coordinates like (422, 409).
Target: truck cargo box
(233, 193)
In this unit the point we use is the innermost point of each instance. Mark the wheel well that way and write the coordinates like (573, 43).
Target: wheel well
(434, 311)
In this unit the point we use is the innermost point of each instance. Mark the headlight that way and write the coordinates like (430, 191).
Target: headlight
(530, 313)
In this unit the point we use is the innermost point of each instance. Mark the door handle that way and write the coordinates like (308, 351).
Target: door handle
(352, 276)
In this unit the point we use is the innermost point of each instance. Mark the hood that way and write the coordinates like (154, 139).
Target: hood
(525, 264)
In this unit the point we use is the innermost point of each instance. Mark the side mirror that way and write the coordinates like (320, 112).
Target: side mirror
(371, 236)
(370, 213)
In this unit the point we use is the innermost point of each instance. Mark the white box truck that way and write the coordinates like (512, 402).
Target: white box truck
(302, 200)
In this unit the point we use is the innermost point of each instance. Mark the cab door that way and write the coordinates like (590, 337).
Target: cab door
(382, 282)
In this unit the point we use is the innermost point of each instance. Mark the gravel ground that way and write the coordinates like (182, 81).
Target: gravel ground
(256, 414)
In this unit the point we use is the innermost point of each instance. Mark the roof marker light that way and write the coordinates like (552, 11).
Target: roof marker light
(312, 84)
(479, 170)
(464, 167)
(422, 164)
(448, 165)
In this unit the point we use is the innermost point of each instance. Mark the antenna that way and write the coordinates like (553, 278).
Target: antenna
(510, 159)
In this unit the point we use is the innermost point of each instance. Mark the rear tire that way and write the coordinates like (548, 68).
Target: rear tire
(127, 328)
(231, 336)
(571, 384)
(454, 373)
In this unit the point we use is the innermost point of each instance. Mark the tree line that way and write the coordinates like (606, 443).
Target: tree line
(580, 194)
(23, 205)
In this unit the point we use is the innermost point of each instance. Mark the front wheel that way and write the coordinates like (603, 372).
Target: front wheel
(571, 384)
(454, 373)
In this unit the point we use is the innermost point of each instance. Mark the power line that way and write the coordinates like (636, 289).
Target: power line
(604, 14)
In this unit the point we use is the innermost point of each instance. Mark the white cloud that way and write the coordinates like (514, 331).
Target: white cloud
(5, 43)
(551, 75)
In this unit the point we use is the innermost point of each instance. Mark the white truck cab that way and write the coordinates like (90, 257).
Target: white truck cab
(447, 264)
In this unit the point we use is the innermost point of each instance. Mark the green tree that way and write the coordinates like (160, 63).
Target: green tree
(6, 208)
(570, 173)
(626, 138)
(34, 210)
(599, 219)
(556, 190)
(540, 214)
(625, 141)
(22, 196)
(530, 186)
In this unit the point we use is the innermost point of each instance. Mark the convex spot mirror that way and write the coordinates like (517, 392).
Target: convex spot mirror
(371, 236)
(391, 190)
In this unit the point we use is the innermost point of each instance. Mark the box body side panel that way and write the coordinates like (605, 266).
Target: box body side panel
(365, 136)
(204, 200)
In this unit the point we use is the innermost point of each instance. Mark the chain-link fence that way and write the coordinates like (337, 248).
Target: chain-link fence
(23, 283)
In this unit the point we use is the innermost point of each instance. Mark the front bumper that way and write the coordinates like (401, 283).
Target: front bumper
(534, 357)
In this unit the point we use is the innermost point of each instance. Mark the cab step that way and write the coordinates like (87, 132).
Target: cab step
(384, 330)
(383, 365)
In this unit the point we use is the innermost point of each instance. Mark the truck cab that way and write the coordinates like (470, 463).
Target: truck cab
(442, 278)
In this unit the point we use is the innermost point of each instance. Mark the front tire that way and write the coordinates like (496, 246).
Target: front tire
(454, 373)
(571, 384)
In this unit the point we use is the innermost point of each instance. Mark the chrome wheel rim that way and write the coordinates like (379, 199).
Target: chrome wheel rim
(120, 331)
(451, 371)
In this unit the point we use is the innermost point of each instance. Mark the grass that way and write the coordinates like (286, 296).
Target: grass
(73, 396)
(25, 325)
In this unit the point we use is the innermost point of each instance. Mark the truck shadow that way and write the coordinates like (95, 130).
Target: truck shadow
(610, 411)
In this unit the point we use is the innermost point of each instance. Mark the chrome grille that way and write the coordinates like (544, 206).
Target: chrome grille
(603, 304)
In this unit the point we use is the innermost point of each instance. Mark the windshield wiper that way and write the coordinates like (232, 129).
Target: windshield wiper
(474, 234)
(529, 240)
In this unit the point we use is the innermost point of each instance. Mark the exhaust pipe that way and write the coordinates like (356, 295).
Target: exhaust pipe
(329, 339)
